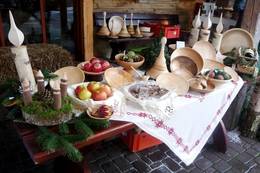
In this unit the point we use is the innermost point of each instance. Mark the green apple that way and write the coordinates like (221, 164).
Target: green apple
(85, 94)
(93, 86)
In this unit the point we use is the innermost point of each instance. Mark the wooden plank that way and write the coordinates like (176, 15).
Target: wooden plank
(88, 28)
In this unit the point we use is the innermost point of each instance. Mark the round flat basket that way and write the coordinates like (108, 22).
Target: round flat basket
(39, 121)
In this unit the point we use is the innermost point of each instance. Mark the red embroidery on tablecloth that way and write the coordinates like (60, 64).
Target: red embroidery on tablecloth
(200, 98)
(170, 130)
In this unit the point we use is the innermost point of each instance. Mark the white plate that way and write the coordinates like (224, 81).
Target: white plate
(117, 24)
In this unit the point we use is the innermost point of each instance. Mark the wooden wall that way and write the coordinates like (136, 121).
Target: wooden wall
(184, 8)
(144, 6)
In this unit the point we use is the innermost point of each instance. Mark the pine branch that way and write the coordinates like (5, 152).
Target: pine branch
(64, 129)
(96, 124)
(74, 138)
(72, 152)
(82, 128)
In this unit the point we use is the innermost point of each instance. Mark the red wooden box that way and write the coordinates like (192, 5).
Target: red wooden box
(137, 141)
(172, 31)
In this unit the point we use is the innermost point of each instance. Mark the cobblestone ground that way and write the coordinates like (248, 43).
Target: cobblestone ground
(113, 157)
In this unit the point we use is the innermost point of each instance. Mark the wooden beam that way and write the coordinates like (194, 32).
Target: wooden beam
(88, 28)
(43, 20)
(2, 36)
(250, 15)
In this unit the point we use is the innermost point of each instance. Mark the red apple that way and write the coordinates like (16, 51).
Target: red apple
(106, 89)
(105, 65)
(93, 86)
(85, 94)
(99, 95)
(78, 89)
(95, 60)
(105, 111)
(97, 67)
(87, 66)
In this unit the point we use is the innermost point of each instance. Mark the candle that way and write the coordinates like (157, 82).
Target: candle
(40, 81)
(56, 95)
(27, 96)
(194, 33)
(217, 36)
(21, 58)
(64, 85)
(205, 32)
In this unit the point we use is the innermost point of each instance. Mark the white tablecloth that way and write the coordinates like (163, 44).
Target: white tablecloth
(185, 122)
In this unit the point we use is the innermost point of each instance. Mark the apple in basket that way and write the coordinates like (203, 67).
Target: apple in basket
(83, 93)
(103, 111)
(93, 86)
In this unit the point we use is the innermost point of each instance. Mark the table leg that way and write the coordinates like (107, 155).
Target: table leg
(219, 137)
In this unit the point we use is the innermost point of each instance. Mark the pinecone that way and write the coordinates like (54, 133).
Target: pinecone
(45, 96)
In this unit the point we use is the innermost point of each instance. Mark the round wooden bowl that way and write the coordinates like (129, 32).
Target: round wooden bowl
(212, 64)
(74, 74)
(184, 73)
(91, 76)
(90, 114)
(173, 82)
(186, 58)
(216, 81)
(128, 65)
(210, 86)
(205, 49)
(117, 77)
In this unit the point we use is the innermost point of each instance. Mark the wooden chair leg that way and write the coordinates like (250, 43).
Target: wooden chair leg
(86, 168)
(219, 137)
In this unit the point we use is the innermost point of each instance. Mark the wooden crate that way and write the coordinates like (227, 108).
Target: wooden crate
(138, 141)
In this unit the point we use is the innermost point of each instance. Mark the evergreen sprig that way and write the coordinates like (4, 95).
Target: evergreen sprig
(83, 128)
(64, 129)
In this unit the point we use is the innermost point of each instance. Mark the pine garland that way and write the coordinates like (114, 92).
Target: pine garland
(51, 141)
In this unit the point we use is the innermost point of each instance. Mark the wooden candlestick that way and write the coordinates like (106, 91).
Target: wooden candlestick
(131, 29)
(64, 85)
(205, 32)
(40, 81)
(217, 36)
(124, 32)
(27, 96)
(56, 95)
(159, 66)
(137, 31)
(194, 33)
(104, 31)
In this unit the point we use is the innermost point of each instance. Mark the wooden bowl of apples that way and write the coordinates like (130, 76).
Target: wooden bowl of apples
(94, 68)
(100, 112)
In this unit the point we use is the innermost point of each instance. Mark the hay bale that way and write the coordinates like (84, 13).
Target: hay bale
(42, 56)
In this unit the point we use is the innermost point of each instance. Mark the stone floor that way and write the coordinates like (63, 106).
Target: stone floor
(113, 157)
